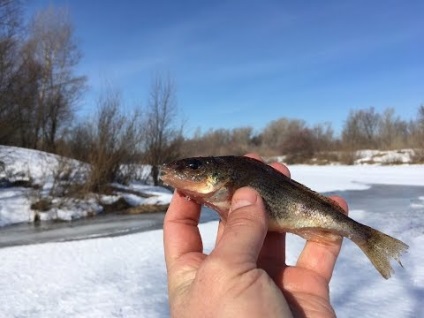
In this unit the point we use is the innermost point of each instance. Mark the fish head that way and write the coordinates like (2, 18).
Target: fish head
(198, 177)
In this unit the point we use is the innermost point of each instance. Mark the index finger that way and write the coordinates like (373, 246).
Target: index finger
(180, 229)
(320, 257)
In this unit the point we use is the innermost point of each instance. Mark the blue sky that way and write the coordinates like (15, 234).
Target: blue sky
(246, 63)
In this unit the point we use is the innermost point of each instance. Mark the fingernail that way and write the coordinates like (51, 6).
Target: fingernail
(243, 198)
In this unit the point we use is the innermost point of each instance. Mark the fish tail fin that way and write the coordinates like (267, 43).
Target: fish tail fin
(380, 248)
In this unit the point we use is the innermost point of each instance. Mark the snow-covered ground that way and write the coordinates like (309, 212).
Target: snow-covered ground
(42, 169)
(125, 276)
(384, 157)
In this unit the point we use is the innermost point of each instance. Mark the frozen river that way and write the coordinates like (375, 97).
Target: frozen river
(108, 225)
(397, 197)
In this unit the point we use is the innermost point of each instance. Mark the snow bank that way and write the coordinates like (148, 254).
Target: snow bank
(40, 168)
(384, 157)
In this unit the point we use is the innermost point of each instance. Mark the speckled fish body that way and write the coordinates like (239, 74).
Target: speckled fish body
(291, 206)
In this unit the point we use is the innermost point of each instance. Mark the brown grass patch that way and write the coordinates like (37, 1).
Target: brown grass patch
(147, 208)
(42, 205)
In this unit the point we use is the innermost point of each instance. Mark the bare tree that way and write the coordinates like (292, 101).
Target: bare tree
(10, 15)
(53, 46)
(113, 139)
(276, 134)
(392, 131)
(163, 137)
(79, 140)
(241, 141)
(323, 135)
(10, 22)
(213, 142)
(273, 136)
(361, 129)
(417, 129)
(420, 124)
(22, 105)
(299, 146)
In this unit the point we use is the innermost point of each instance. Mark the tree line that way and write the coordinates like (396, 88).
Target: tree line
(40, 88)
(301, 142)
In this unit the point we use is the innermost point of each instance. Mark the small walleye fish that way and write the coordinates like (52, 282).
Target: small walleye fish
(291, 207)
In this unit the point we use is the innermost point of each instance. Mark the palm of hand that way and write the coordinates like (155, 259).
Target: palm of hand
(305, 285)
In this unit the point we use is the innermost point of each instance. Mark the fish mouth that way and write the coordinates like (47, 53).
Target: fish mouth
(165, 174)
(190, 186)
(169, 176)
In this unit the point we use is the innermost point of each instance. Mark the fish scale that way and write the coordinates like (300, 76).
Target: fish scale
(291, 206)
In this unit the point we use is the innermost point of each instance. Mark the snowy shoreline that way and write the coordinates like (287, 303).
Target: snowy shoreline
(39, 169)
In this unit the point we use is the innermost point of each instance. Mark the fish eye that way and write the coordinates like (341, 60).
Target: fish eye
(194, 164)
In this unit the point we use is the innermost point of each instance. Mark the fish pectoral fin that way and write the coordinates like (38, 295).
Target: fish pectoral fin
(317, 235)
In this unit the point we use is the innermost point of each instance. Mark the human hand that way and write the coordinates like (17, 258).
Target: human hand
(245, 275)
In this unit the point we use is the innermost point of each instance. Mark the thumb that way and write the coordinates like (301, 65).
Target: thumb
(245, 229)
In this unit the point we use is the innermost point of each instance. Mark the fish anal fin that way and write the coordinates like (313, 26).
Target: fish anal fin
(317, 235)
